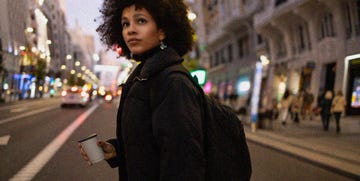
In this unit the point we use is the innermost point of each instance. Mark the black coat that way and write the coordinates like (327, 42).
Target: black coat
(325, 105)
(159, 133)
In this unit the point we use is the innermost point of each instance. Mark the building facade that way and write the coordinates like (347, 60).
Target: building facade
(227, 42)
(13, 21)
(309, 42)
(303, 45)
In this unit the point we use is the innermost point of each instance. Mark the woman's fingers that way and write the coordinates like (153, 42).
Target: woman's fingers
(109, 149)
(83, 153)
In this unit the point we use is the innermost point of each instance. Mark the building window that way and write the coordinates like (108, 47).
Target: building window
(230, 52)
(357, 28)
(243, 47)
(279, 2)
(217, 58)
(259, 39)
(327, 26)
(300, 38)
(281, 48)
(348, 24)
(1, 55)
(222, 56)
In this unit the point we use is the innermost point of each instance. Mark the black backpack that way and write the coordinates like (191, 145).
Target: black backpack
(225, 146)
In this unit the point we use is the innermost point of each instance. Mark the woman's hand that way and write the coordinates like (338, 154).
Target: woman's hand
(109, 151)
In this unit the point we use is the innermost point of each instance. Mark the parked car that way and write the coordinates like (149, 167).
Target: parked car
(74, 96)
(108, 97)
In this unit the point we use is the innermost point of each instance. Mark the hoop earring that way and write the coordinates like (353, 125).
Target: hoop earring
(162, 45)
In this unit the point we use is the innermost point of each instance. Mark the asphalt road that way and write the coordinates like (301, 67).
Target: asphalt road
(33, 133)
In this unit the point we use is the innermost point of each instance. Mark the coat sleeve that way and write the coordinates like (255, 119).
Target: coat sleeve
(178, 132)
(119, 160)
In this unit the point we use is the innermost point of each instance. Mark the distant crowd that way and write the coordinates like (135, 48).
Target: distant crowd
(298, 107)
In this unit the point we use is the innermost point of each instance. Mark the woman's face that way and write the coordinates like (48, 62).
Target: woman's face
(140, 31)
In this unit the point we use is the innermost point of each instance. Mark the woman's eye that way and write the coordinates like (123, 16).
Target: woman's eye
(125, 24)
(141, 21)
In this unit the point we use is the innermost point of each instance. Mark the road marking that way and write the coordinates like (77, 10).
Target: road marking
(18, 109)
(4, 140)
(27, 114)
(29, 171)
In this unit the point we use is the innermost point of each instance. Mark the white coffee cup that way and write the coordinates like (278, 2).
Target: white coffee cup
(93, 151)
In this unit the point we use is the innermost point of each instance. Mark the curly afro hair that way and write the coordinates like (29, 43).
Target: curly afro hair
(169, 15)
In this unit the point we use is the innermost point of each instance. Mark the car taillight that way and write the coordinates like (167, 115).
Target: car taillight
(108, 97)
(63, 93)
(84, 94)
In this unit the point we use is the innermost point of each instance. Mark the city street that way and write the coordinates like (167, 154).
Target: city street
(22, 156)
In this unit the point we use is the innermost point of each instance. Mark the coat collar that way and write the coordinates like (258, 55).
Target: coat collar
(158, 62)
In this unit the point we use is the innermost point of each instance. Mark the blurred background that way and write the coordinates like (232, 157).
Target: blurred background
(248, 54)
(294, 45)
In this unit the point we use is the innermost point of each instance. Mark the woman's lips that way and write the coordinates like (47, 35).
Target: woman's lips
(133, 41)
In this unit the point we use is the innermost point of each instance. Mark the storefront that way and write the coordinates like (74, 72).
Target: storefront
(353, 85)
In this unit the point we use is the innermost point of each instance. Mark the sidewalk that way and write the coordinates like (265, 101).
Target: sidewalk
(307, 140)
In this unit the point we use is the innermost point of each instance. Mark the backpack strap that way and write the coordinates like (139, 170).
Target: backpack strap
(161, 78)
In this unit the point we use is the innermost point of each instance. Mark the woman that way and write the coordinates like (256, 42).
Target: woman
(296, 107)
(338, 107)
(284, 106)
(159, 134)
(325, 106)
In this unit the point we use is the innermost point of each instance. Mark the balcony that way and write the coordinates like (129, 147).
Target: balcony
(231, 22)
(226, 21)
(271, 11)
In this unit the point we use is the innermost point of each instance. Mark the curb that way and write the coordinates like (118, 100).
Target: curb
(326, 161)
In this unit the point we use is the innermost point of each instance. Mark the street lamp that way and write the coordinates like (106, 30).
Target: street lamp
(191, 16)
(68, 57)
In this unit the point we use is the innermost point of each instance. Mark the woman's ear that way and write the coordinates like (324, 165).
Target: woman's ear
(162, 34)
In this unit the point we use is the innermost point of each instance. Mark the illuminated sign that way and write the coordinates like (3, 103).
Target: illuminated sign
(243, 85)
(255, 98)
(200, 75)
(355, 96)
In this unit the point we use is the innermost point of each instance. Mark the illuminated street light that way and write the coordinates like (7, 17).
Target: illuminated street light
(72, 71)
(264, 60)
(96, 57)
(29, 30)
(68, 57)
(77, 63)
(191, 16)
(63, 67)
(33, 49)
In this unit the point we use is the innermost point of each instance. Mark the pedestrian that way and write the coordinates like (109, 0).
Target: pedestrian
(159, 134)
(338, 107)
(325, 109)
(296, 107)
(284, 107)
(307, 105)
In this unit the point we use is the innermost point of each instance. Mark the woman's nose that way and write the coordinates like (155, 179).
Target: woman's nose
(131, 29)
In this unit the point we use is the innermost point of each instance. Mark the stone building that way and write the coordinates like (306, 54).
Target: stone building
(14, 17)
(227, 40)
(309, 42)
(308, 45)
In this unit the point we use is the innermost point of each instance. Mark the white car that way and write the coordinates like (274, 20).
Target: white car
(74, 96)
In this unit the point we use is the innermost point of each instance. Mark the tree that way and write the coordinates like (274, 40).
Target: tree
(40, 73)
(72, 80)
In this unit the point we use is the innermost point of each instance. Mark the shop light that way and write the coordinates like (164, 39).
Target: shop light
(68, 57)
